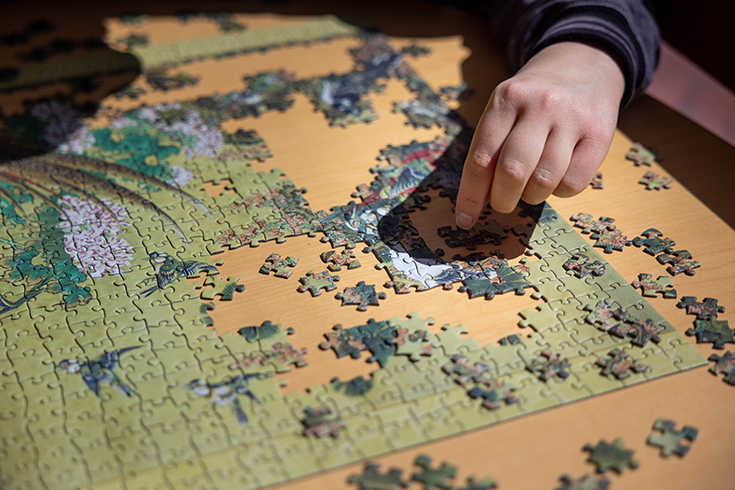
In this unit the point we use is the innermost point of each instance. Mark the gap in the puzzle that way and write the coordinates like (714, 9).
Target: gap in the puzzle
(276, 300)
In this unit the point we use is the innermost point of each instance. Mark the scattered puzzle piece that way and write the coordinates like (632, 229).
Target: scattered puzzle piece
(434, 477)
(650, 287)
(314, 282)
(275, 264)
(704, 310)
(640, 155)
(337, 260)
(610, 240)
(319, 422)
(653, 243)
(552, 366)
(585, 482)
(362, 295)
(486, 483)
(371, 479)
(597, 182)
(724, 364)
(712, 331)
(670, 439)
(589, 225)
(680, 261)
(611, 456)
(619, 364)
(652, 181)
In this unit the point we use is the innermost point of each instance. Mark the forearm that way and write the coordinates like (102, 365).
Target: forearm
(625, 29)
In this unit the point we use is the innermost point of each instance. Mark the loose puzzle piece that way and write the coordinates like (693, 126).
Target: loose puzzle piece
(597, 182)
(486, 483)
(320, 422)
(680, 261)
(582, 265)
(618, 365)
(314, 282)
(550, 367)
(650, 287)
(640, 155)
(337, 260)
(670, 440)
(275, 264)
(611, 456)
(610, 240)
(717, 332)
(585, 482)
(704, 310)
(653, 243)
(652, 181)
(434, 477)
(724, 365)
(362, 295)
(371, 479)
(590, 225)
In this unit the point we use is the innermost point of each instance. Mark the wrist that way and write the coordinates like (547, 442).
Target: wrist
(581, 62)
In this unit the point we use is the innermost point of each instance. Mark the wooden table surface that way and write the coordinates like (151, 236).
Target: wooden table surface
(530, 451)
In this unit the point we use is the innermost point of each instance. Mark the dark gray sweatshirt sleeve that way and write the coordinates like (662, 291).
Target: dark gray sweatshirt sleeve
(624, 28)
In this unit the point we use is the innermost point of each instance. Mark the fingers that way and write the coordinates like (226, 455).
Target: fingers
(479, 168)
(585, 160)
(551, 168)
(518, 159)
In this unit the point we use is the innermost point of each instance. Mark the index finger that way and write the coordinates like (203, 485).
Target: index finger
(479, 167)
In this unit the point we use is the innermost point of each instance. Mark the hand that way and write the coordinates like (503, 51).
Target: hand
(544, 131)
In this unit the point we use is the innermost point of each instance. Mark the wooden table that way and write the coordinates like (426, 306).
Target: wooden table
(531, 451)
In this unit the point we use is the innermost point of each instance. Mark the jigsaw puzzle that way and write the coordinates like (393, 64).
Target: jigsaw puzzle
(111, 374)
(650, 286)
(609, 456)
(670, 440)
(653, 181)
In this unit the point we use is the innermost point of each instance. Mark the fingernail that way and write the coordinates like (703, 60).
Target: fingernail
(464, 221)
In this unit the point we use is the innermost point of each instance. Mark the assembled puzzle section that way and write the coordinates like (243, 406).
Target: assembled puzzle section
(107, 358)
